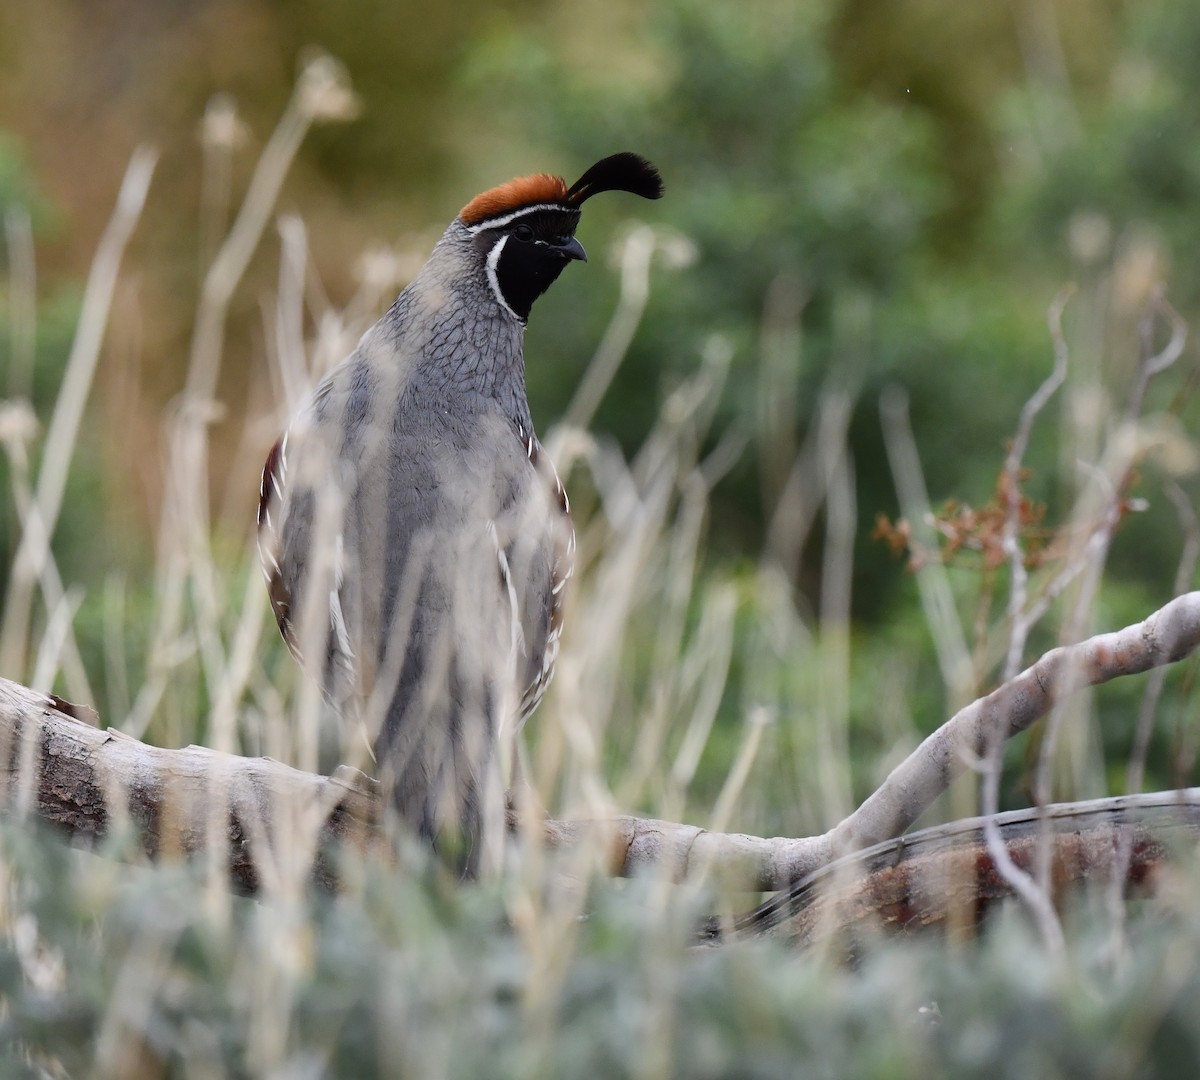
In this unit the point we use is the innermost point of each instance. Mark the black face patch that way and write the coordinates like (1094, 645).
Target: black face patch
(536, 247)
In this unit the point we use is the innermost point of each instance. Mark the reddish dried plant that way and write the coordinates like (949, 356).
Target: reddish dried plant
(974, 537)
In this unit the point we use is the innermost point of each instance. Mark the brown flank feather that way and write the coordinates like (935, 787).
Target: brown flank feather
(523, 191)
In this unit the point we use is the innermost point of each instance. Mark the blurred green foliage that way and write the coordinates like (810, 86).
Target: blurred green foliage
(412, 976)
(772, 170)
(877, 195)
(789, 161)
(920, 182)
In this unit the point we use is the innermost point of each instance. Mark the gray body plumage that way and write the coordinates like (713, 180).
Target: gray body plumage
(415, 538)
(416, 542)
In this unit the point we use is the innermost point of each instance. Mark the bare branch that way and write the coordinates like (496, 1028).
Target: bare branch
(1157, 680)
(172, 795)
(1168, 635)
(69, 771)
(1020, 624)
(1151, 363)
(1027, 887)
(946, 874)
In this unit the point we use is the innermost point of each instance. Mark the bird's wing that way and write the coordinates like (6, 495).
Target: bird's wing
(547, 529)
(285, 540)
(270, 508)
(431, 484)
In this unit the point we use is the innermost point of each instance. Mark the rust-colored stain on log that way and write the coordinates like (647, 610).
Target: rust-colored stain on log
(957, 886)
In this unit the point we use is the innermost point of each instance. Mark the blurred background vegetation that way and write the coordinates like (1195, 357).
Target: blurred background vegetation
(874, 195)
(860, 197)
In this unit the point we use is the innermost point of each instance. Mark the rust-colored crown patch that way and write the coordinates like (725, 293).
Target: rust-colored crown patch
(523, 191)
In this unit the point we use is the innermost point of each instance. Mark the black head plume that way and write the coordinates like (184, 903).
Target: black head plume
(618, 172)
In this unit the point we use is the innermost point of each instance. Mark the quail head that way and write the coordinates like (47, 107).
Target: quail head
(415, 536)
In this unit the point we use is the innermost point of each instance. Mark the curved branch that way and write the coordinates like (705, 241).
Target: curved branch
(1170, 634)
(89, 782)
(949, 873)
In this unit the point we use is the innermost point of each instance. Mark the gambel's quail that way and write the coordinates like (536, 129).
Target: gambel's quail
(415, 536)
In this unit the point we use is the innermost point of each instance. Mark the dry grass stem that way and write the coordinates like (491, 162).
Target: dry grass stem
(63, 430)
(22, 301)
(1019, 625)
(937, 598)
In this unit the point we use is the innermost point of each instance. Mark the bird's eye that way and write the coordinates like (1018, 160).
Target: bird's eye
(523, 233)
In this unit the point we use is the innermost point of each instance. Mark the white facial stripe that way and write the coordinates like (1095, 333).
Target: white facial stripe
(493, 260)
(500, 222)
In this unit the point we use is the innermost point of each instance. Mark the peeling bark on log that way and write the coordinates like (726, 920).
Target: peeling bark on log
(91, 783)
(945, 876)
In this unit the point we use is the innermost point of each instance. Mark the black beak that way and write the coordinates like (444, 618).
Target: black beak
(572, 249)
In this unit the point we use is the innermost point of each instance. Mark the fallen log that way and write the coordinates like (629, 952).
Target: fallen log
(265, 818)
